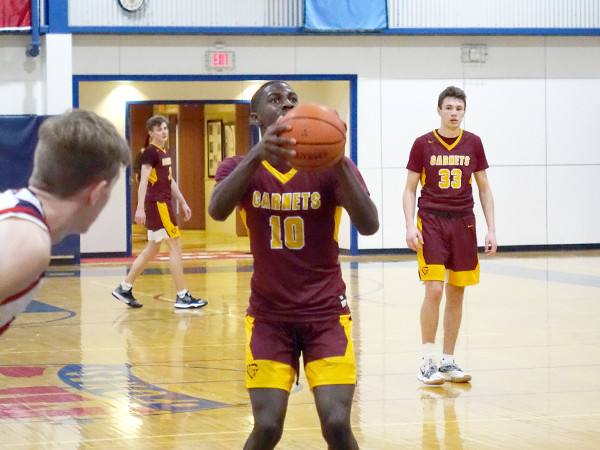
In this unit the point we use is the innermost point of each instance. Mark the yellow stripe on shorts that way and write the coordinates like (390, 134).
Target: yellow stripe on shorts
(464, 278)
(165, 218)
(336, 369)
(262, 373)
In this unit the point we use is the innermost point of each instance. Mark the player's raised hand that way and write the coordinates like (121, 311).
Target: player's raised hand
(275, 148)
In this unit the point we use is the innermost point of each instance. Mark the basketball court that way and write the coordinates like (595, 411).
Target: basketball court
(82, 370)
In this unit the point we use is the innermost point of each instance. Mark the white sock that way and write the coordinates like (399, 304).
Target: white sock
(429, 352)
(447, 359)
(126, 286)
(181, 294)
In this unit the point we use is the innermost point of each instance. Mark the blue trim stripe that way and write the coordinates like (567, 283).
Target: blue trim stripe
(495, 31)
(58, 16)
(353, 151)
(262, 77)
(262, 31)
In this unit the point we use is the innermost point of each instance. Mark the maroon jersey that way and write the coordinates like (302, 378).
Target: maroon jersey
(159, 183)
(293, 221)
(446, 167)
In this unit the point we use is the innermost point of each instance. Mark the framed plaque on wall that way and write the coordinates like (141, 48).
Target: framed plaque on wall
(215, 145)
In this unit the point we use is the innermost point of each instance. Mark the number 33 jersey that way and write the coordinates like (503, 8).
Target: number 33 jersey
(293, 220)
(446, 166)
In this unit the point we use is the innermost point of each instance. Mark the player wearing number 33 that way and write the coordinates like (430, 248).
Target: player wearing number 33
(444, 161)
(297, 302)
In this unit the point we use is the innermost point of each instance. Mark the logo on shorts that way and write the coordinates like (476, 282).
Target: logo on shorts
(425, 270)
(252, 369)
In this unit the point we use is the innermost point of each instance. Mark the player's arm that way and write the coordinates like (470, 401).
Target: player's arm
(140, 213)
(414, 238)
(229, 191)
(187, 212)
(24, 257)
(356, 200)
(487, 204)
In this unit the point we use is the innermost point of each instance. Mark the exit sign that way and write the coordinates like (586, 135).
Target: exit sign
(220, 60)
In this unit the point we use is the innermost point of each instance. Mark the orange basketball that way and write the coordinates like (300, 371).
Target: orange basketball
(320, 136)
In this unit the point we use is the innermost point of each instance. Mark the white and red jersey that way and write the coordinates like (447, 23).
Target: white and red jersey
(23, 204)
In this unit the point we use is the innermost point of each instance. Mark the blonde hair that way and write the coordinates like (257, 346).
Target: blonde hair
(76, 149)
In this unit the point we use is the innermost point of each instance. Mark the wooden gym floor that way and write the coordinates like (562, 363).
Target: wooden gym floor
(81, 370)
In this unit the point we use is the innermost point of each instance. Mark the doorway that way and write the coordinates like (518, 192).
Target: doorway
(201, 134)
(107, 95)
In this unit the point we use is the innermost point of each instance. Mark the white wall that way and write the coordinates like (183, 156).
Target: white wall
(532, 103)
(21, 78)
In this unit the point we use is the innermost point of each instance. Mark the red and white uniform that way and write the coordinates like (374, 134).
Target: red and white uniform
(24, 205)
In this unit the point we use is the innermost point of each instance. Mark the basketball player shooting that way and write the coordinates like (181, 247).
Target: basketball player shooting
(298, 303)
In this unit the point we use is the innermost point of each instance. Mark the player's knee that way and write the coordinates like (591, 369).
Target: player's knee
(152, 248)
(175, 245)
(434, 292)
(336, 431)
(268, 432)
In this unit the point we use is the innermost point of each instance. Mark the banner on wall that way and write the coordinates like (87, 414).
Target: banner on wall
(345, 15)
(15, 15)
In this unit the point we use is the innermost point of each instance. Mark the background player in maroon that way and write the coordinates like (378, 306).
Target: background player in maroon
(297, 302)
(445, 160)
(76, 163)
(155, 210)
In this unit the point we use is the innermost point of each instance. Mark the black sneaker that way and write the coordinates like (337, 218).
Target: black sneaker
(187, 301)
(126, 297)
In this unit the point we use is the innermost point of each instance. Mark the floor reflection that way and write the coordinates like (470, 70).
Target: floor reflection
(445, 396)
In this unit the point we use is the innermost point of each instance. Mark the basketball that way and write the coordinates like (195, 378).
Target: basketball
(320, 136)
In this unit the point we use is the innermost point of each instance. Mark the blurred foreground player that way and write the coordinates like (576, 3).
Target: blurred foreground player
(444, 161)
(297, 302)
(76, 163)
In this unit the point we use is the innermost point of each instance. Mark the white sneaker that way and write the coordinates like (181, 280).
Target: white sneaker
(429, 374)
(451, 372)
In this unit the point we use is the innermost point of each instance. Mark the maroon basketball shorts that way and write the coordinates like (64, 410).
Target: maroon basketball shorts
(273, 352)
(450, 243)
(161, 221)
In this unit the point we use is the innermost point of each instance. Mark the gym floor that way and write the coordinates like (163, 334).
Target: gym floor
(82, 370)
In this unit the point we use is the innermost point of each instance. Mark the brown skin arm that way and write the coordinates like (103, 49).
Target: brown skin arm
(228, 192)
(356, 201)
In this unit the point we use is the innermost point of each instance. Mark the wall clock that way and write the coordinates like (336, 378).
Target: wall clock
(131, 5)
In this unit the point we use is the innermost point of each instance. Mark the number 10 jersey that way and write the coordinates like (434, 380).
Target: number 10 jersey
(293, 220)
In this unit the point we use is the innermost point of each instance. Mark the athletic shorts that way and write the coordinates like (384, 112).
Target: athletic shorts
(449, 243)
(161, 221)
(273, 353)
